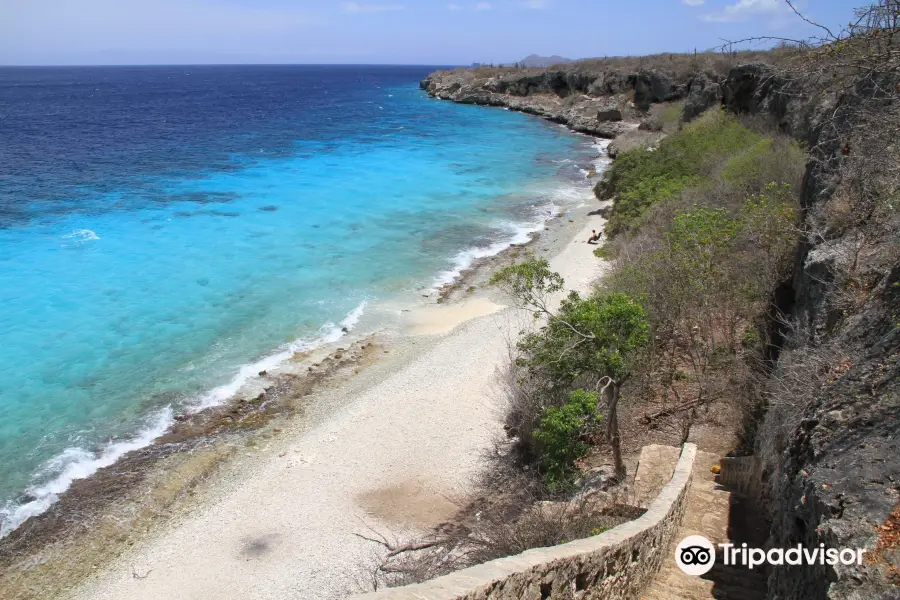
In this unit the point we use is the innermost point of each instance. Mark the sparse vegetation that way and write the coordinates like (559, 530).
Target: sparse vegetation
(692, 157)
(674, 64)
(585, 343)
(710, 235)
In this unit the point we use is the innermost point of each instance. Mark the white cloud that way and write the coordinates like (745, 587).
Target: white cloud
(693, 2)
(355, 7)
(744, 10)
(483, 6)
(454, 7)
(536, 4)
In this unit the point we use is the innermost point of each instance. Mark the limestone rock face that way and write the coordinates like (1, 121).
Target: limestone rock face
(749, 88)
(654, 86)
(836, 481)
(702, 93)
(610, 84)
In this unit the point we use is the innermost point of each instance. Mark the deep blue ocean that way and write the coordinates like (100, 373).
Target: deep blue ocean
(162, 228)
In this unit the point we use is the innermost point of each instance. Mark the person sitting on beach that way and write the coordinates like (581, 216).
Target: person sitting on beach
(595, 237)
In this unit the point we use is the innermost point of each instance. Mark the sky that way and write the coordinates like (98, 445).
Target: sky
(424, 32)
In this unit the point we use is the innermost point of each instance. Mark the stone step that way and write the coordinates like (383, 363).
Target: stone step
(740, 576)
(719, 576)
(662, 591)
(709, 511)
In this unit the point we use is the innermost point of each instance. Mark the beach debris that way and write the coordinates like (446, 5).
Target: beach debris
(393, 548)
(136, 575)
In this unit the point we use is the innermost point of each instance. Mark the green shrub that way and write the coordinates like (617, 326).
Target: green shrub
(767, 160)
(747, 164)
(604, 252)
(587, 337)
(642, 177)
(698, 230)
(561, 435)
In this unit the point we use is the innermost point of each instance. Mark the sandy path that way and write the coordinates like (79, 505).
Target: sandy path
(391, 455)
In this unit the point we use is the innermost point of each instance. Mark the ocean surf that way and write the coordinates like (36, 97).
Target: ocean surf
(167, 233)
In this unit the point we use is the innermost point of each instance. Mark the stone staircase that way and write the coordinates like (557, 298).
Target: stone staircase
(720, 516)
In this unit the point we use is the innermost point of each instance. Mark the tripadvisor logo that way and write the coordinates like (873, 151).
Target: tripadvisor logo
(696, 555)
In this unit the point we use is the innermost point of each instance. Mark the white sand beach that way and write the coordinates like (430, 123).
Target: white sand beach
(394, 458)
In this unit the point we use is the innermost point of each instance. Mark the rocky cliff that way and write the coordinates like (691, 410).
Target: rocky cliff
(830, 443)
(834, 475)
(596, 102)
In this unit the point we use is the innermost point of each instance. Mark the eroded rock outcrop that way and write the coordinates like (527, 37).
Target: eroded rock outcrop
(703, 92)
(589, 101)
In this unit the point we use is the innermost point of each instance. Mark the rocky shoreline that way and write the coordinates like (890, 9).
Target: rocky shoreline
(129, 502)
(120, 504)
(601, 103)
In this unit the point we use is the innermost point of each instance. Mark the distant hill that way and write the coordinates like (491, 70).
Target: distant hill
(544, 61)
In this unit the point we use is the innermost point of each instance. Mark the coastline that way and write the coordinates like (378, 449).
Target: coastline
(166, 335)
(249, 385)
(391, 449)
(121, 504)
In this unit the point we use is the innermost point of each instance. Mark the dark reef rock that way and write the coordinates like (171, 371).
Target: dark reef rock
(609, 113)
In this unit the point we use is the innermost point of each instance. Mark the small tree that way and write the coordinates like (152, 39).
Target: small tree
(589, 340)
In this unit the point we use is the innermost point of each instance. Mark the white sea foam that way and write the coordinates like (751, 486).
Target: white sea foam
(82, 235)
(559, 197)
(78, 463)
(602, 162)
(515, 233)
(570, 195)
(521, 234)
(328, 334)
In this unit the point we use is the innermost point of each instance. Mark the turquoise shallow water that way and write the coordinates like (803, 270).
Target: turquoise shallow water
(168, 236)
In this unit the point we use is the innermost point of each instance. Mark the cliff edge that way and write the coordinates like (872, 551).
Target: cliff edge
(828, 437)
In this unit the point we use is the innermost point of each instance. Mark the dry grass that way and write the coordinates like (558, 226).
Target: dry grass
(508, 517)
(676, 64)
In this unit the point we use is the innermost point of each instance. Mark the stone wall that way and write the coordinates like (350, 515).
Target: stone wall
(742, 474)
(616, 564)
